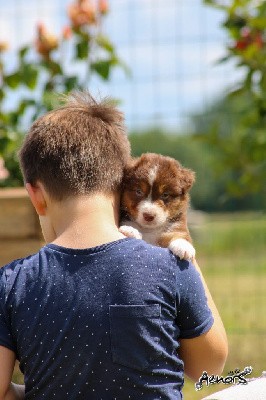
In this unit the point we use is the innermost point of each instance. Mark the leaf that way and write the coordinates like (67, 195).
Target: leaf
(70, 83)
(236, 93)
(50, 100)
(29, 76)
(105, 44)
(263, 82)
(13, 80)
(22, 107)
(3, 119)
(4, 141)
(22, 52)
(116, 61)
(215, 4)
(223, 59)
(235, 22)
(52, 67)
(49, 85)
(13, 117)
(2, 95)
(258, 22)
(55, 68)
(82, 49)
(24, 104)
(102, 68)
(248, 80)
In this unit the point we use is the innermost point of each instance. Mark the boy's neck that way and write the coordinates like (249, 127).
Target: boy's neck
(83, 222)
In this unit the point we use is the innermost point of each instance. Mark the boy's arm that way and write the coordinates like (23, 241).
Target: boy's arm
(207, 352)
(9, 390)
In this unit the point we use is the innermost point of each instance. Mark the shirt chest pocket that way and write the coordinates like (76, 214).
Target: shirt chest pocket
(135, 334)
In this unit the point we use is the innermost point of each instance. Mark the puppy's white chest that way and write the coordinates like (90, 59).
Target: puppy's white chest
(151, 237)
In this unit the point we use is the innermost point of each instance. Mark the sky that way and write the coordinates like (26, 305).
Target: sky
(171, 47)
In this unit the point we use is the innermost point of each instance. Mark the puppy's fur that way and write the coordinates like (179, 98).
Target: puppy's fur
(154, 203)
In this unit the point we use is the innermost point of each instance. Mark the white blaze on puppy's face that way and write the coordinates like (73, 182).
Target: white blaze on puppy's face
(150, 214)
(152, 175)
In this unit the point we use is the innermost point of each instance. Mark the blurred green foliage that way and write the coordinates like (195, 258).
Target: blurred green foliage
(209, 192)
(239, 131)
(227, 147)
(45, 68)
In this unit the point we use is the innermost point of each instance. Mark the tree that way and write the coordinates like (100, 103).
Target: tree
(45, 69)
(241, 137)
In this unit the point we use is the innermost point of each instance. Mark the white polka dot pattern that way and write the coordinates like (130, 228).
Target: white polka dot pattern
(101, 323)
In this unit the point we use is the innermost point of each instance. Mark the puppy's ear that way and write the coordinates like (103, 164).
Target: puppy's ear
(130, 166)
(129, 171)
(187, 178)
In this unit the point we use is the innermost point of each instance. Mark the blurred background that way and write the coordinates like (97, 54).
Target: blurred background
(190, 78)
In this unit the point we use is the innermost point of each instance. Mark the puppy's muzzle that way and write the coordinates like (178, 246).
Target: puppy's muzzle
(148, 217)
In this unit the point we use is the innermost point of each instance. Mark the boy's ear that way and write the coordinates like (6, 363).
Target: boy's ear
(37, 197)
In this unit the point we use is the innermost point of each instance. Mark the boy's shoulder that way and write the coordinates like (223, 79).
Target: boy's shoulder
(14, 266)
(143, 251)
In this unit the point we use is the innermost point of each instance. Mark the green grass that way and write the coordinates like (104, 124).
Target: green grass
(231, 250)
(226, 233)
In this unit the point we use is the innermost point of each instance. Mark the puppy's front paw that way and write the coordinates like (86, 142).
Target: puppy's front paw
(182, 248)
(128, 231)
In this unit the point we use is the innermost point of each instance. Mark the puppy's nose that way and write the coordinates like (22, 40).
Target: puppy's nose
(148, 217)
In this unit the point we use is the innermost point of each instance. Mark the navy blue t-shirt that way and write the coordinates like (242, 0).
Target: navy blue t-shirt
(101, 323)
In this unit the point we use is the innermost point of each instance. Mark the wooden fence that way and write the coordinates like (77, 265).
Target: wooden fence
(20, 233)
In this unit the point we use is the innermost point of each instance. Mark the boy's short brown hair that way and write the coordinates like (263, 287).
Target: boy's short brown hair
(79, 148)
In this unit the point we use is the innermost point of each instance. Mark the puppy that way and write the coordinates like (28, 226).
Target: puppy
(154, 203)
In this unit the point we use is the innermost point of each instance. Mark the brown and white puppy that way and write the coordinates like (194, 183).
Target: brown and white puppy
(154, 203)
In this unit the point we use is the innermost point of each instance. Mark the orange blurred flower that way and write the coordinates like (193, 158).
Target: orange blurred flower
(3, 46)
(4, 173)
(82, 12)
(46, 42)
(67, 32)
(103, 6)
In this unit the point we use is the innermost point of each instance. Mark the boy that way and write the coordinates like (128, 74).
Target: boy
(94, 315)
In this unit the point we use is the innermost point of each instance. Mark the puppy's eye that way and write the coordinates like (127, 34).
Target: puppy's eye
(139, 192)
(165, 196)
